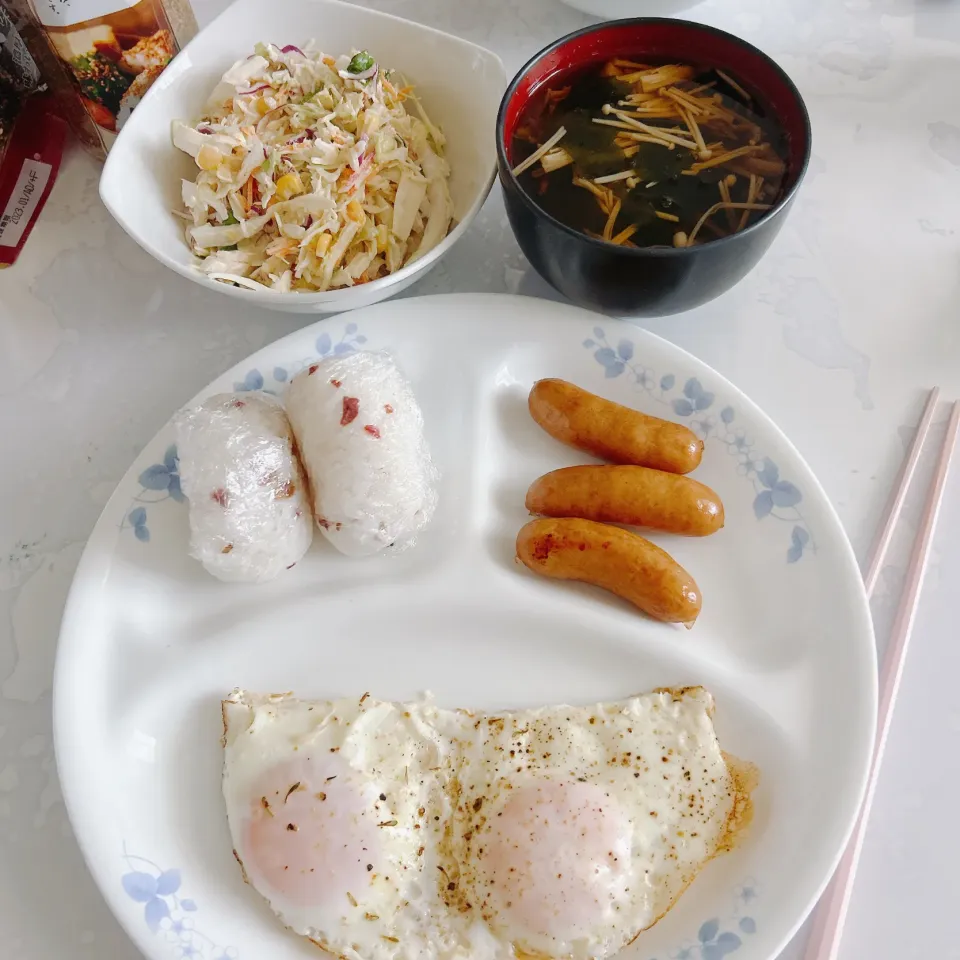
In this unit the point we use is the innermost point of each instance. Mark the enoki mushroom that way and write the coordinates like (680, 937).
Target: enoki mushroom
(670, 107)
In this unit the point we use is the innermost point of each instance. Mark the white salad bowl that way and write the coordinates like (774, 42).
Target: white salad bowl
(460, 85)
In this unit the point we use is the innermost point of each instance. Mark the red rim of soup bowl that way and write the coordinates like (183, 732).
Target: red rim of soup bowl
(667, 39)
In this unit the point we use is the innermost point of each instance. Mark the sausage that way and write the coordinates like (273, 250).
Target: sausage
(619, 561)
(611, 431)
(636, 496)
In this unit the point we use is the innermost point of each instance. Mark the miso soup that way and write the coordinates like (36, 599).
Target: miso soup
(645, 155)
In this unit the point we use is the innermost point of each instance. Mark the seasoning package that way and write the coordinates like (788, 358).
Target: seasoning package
(32, 137)
(19, 75)
(111, 51)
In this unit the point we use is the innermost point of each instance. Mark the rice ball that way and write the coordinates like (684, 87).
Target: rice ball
(250, 517)
(360, 433)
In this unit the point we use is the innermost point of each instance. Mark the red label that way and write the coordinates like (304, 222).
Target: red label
(28, 170)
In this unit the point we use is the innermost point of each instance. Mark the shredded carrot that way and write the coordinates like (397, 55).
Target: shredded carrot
(282, 247)
(625, 234)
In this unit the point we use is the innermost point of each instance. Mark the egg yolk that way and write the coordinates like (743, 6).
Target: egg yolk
(556, 862)
(312, 834)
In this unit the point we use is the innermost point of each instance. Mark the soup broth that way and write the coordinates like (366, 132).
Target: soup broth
(645, 155)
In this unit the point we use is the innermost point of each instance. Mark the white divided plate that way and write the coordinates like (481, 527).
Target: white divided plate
(150, 642)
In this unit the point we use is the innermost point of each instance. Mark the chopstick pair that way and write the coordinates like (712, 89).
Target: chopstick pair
(831, 913)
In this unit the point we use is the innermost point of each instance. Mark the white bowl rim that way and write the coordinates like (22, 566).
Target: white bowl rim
(335, 297)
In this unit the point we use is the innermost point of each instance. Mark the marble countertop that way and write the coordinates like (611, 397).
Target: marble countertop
(837, 334)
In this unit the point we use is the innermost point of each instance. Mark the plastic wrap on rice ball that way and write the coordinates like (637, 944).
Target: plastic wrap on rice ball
(360, 433)
(250, 517)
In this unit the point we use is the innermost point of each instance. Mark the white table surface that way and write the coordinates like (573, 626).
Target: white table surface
(837, 334)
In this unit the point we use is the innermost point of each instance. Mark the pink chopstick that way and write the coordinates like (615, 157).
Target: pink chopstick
(824, 941)
(879, 550)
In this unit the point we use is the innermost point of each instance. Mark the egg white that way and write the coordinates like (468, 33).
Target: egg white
(383, 772)
(620, 805)
(386, 831)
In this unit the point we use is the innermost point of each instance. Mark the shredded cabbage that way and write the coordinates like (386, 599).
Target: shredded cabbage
(312, 174)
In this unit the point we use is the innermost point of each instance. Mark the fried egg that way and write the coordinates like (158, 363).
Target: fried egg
(386, 831)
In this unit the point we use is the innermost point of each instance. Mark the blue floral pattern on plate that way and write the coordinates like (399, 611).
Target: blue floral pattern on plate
(348, 343)
(773, 495)
(718, 937)
(161, 481)
(166, 913)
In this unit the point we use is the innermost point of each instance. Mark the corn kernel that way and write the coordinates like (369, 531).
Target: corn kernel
(208, 158)
(355, 212)
(289, 185)
(323, 243)
(261, 106)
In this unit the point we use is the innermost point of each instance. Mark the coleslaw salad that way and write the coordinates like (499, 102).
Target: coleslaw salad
(312, 173)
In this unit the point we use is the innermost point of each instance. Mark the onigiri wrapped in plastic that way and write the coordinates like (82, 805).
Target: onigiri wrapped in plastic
(360, 433)
(250, 517)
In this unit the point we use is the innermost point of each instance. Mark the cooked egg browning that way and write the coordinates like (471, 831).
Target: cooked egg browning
(324, 802)
(577, 828)
(383, 830)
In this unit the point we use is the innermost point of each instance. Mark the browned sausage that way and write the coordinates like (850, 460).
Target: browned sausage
(619, 561)
(625, 494)
(610, 431)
